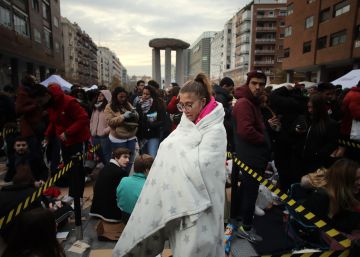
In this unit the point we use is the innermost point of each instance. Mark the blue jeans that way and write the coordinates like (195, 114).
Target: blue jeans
(105, 148)
(131, 145)
(151, 147)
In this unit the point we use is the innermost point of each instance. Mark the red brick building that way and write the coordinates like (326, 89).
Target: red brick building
(322, 38)
(30, 39)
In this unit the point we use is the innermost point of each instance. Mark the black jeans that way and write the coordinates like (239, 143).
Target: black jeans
(76, 173)
(248, 194)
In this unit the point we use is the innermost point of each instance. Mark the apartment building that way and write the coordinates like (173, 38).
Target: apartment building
(80, 55)
(31, 40)
(322, 38)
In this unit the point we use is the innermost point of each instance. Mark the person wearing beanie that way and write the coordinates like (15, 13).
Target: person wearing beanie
(252, 145)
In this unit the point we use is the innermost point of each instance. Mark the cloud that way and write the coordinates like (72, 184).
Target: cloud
(127, 26)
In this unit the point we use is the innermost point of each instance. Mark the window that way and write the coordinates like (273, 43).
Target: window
(341, 8)
(288, 31)
(20, 25)
(282, 35)
(37, 36)
(309, 22)
(35, 5)
(56, 22)
(338, 38)
(47, 37)
(307, 47)
(280, 47)
(290, 9)
(321, 42)
(282, 23)
(286, 52)
(282, 13)
(324, 15)
(5, 16)
(46, 10)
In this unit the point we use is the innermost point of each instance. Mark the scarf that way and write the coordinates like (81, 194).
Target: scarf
(97, 105)
(146, 105)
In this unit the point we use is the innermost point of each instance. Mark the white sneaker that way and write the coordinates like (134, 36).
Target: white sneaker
(67, 199)
(259, 211)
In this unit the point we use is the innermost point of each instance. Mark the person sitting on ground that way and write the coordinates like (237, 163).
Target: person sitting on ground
(104, 202)
(24, 164)
(129, 189)
(34, 235)
(336, 197)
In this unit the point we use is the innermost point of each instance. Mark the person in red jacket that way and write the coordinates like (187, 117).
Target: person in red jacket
(69, 122)
(351, 111)
(252, 146)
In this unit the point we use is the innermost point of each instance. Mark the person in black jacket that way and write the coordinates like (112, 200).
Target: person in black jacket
(151, 111)
(321, 137)
(104, 203)
(289, 104)
(224, 94)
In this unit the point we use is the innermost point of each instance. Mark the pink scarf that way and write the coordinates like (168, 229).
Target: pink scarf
(207, 109)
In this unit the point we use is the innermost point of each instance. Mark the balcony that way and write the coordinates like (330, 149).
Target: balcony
(266, 28)
(268, 62)
(266, 51)
(261, 17)
(265, 40)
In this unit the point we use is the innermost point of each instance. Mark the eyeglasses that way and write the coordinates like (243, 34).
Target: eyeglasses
(184, 107)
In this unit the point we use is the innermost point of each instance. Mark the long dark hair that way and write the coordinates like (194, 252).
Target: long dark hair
(319, 116)
(102, 106)
(115, 104)
(340, 180)
(34, 233)
(157, 102)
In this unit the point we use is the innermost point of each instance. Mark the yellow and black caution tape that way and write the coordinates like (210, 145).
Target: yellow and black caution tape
(344, 253)
(352, 144)
(8, 131)
(319, 223)
(22, 206)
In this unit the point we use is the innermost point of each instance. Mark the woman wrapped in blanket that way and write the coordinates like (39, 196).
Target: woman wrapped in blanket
(183, 197)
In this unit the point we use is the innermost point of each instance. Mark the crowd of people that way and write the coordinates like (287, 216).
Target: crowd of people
(163, 153)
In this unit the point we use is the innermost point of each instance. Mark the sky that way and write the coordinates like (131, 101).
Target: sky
(127, 26)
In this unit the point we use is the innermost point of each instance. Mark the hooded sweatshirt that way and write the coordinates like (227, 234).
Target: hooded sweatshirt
(67, 116)
(251, 141)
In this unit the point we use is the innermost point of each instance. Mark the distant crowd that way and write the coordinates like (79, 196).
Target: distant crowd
(294, 131)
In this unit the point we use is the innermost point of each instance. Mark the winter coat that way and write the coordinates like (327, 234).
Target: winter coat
(319, 146)
(351, 111)
(151, 129)
(98, 124)
(29, 112)
(104, 203)
(120, 127)
(251, 140)
(67, 116)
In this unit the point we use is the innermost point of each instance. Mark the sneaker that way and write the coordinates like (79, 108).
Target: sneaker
(67, 199)
(250, 235)
(259, 211)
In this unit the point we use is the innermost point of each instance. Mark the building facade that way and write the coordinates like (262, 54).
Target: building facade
(199, 57)
(109, 67)
(80, 55)
(266, 43)
(30, 40)
(216, 56)
(322, 38)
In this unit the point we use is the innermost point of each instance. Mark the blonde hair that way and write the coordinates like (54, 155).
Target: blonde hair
(200, 86)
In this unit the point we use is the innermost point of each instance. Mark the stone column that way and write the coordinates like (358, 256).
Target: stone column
(167, 66)
(156, 65)
(179, 67)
